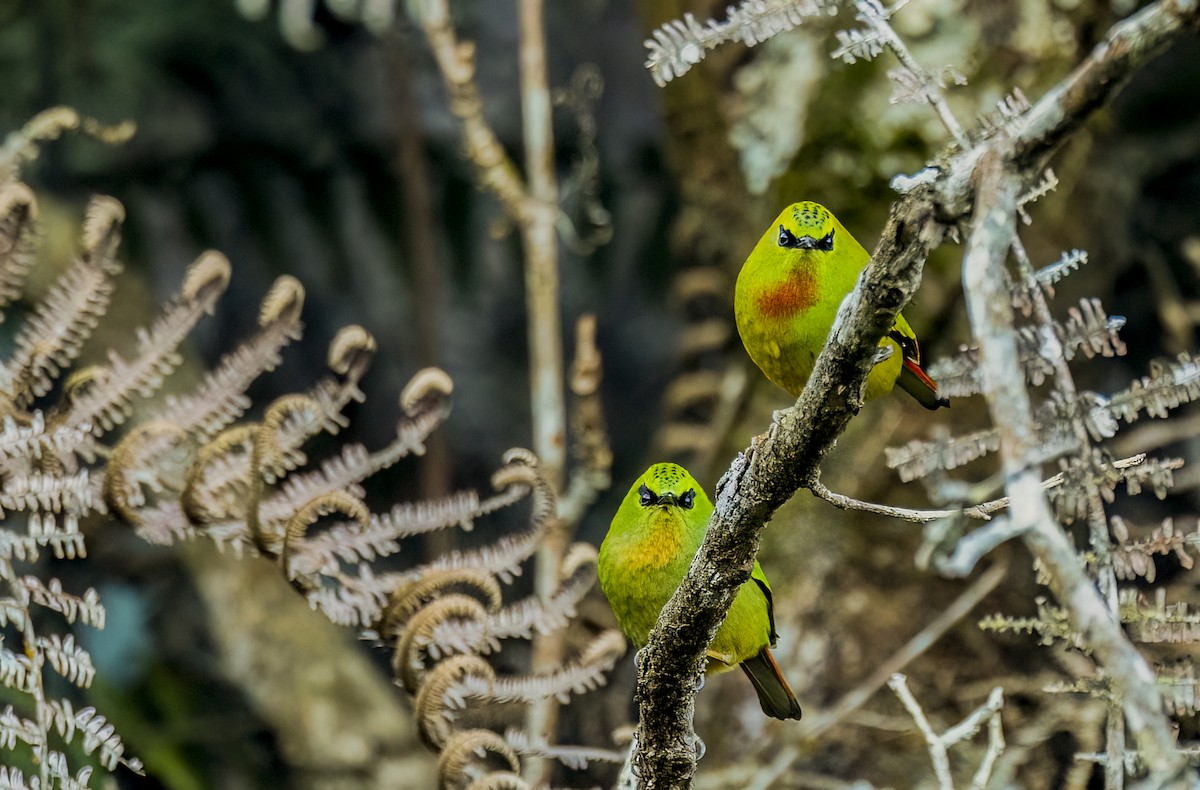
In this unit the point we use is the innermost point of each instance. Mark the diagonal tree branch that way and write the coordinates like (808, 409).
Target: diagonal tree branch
(786, 458)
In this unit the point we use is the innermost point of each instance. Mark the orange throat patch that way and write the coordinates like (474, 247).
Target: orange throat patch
(784, 299)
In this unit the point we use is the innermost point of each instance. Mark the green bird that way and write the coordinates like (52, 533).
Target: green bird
(654, 535)
(787, 297)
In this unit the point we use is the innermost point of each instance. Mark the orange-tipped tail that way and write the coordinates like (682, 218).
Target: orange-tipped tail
(917, 383)
(774, 695)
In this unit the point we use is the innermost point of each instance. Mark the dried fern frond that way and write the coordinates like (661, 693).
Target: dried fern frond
(464, 616)
(470, 754)
(108, 402)
(51, 338)
(33, 440)
(13, 728)
(220, 398)
(86, 608)
(680, 44)
(380, 537)
(425, 403)
(1004, 117)
(577, 758)
(1087, 330)
(409, 599)
(97, 733)
(453, 682)
(521, 618)
(502, 558)
(291, 420)
(23, 145)
(1134, 559)
(72, 495)
(1093, 472)
(1044, 186)
(217, 483)
(1046, 278)
(1160, 621)
(68, 659)
(919, 458)
(586, 672)
(18, 213)
(317, 508)
(64, 545)
(1178, 683)
(1169, 385)
(16, 670)
(1050, 624)
(482, 630)
(148, 460)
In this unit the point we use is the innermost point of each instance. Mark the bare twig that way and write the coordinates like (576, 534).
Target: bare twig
(540, 245)
(937, 748)
(939, 745)
(983, 511)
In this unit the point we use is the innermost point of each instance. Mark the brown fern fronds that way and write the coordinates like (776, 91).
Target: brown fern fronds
(18, 214)
(471, 756)
(1160, 621)
(1178, 683)
(425, 403)
(108, 402)
(51, 338)
(220, 398)
(1169, 385)
(1134, 559)
(1087, 331)
(1050, 624)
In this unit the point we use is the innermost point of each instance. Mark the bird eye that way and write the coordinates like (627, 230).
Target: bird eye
(786, 238)
(647, 496)
(826, 243)
(688, 499)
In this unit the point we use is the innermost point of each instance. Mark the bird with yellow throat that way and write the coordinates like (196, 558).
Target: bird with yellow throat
(787, 297)
(650, 545)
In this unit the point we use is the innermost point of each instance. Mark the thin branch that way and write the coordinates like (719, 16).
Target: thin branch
(935, 745)
(983, 511)
(539, 243)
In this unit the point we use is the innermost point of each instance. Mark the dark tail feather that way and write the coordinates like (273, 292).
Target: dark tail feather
(776, 698)
(918, 384)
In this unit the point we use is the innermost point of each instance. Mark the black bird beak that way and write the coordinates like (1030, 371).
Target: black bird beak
(807, 243)
(667, 499)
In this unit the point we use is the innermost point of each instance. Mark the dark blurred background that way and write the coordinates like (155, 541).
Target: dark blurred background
(339, 163)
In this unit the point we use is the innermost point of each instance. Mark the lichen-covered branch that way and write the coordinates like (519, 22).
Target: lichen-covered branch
(1128, 44)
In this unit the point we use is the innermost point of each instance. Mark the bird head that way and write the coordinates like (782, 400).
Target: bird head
(668, 485)
(806, 226)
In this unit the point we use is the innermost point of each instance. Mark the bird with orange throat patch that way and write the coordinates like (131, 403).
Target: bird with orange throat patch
(787, 298)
